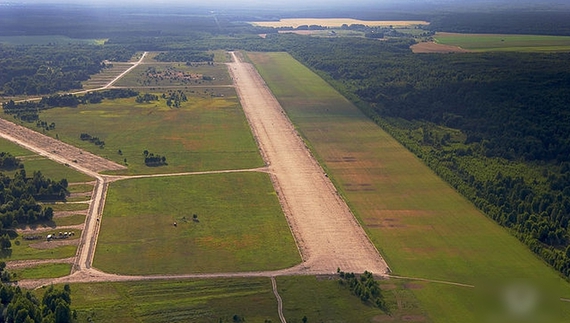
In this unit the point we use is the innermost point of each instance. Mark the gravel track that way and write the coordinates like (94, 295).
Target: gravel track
(326, 232)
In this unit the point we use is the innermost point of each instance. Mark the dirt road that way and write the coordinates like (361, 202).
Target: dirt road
(327, 233)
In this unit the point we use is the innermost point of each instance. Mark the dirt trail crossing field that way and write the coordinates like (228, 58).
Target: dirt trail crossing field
(327, 233)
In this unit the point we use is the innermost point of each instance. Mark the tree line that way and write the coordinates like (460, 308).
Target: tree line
(18, 306)
(28, 111)
(19, 196)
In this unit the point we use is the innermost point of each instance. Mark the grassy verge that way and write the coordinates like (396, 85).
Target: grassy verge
(498, 42)
(418, 222)
(43, 271)
(239, 226)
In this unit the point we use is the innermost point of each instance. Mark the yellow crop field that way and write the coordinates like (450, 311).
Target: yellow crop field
(335, 22)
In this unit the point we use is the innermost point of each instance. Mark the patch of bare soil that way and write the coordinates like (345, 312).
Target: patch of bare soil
(413, 286)
(55, 243)
(431, 47)
(63, 214)
(18, 264)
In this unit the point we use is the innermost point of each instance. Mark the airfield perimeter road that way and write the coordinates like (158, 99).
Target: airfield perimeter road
(327, 233)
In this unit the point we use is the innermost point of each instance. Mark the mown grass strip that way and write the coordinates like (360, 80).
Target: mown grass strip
(419, 223)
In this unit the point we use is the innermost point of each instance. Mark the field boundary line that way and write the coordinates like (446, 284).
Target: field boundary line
(432, 281)
(279, 300)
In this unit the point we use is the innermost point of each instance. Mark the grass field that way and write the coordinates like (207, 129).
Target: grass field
(497, 42)
(205, 133)
(240, 226)
(218, 300)
(419, 223)
(334, 22)
(215, 300)
(47, 39)
(43, 271)
(321, 299)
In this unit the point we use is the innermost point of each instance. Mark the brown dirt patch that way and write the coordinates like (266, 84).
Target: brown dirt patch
(413, 318)
(431, 47)
(383, 318)
(54, 244)
(413, 286)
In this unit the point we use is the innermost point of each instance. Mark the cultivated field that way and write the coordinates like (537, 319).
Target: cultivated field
(419, 223)
(239, 226)
(335, 22)
(497, 42)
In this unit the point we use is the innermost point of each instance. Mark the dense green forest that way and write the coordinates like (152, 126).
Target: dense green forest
(19, 306)
(496, 126)
(19, 196)
(46, 69)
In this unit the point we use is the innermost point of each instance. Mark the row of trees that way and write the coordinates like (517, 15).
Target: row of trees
(19, 195)
(29, 110)
(364, 287)
(152, 160)
(94, 140)
(146, 98)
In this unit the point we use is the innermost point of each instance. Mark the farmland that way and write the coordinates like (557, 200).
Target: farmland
(420, 224)
(334, 22)
(501, 42)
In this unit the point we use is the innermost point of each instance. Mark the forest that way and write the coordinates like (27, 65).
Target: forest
(35, 69)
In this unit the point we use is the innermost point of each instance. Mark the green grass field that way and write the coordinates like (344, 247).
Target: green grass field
(240, 226)
(419, 223)
(498, 42)
(210, 300)
(33, 162)
(205, 133)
